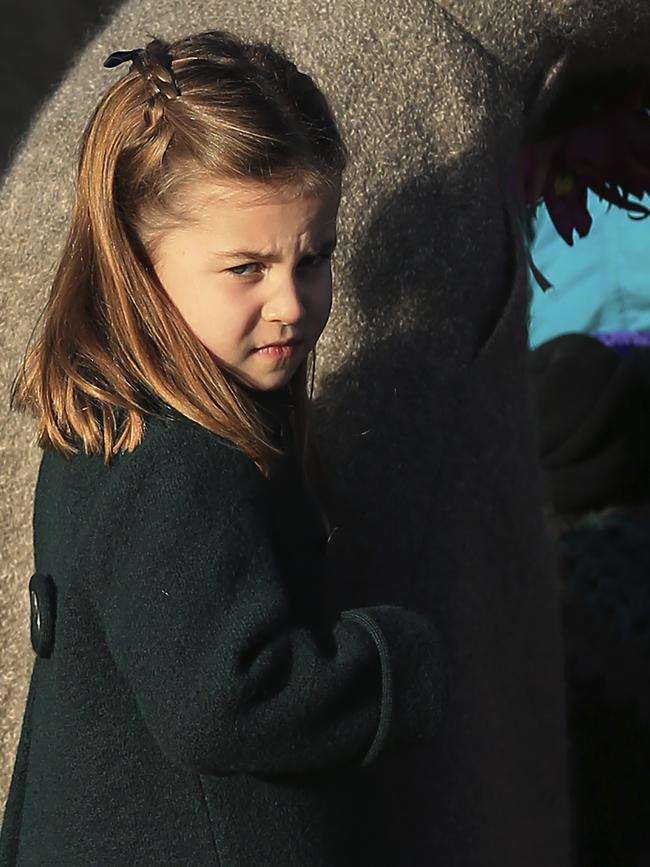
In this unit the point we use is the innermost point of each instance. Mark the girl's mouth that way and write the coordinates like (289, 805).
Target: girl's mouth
(278, 350)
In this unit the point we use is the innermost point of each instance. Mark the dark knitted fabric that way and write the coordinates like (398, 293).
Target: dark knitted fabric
(204, 703)
(606, 564)
(594, 421)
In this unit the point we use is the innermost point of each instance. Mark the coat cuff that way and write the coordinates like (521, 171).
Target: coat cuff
(413, 676)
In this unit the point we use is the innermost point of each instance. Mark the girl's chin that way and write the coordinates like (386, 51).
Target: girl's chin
(277, 379)
(262, 372)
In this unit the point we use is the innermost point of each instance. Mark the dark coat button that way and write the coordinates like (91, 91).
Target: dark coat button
(42, 600)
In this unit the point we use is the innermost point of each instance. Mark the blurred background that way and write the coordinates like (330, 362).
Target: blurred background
(590, 361)
(600, 284)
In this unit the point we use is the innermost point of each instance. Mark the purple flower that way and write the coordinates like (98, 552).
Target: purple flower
(607, 152)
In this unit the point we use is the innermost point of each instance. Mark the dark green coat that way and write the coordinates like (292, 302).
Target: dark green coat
(202, 703)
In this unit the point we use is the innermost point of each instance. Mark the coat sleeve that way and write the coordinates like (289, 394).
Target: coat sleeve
(198, 620)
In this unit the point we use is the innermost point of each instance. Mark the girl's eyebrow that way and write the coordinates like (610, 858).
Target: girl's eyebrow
(327, 247)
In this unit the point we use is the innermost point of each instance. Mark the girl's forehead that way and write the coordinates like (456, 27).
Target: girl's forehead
(231, 217)
(251, 193)
(209, 201)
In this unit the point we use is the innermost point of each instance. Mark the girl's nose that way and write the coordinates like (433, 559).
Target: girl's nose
(284, 303)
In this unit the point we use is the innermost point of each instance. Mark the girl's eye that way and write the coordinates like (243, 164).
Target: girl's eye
(238, 273)
(308, 262)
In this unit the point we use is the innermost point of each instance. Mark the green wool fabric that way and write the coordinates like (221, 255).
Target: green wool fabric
(203, 702)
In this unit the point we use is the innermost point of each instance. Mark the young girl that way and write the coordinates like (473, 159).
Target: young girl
(195, 699)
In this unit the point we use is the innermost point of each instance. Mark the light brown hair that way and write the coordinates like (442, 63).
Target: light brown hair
(206, 106)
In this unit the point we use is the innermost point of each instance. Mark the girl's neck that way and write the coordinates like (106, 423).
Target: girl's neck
(276, 399)
(276, 406)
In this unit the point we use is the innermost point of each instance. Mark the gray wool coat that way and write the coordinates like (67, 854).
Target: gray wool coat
(195, 698)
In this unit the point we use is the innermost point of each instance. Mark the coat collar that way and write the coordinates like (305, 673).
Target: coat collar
(275, 406)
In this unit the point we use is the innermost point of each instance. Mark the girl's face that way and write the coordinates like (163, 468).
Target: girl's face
(252, 269)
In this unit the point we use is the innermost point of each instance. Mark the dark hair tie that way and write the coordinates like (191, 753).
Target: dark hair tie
(161, 82)
(118, 57)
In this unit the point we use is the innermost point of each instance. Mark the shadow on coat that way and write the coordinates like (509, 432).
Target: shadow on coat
(454, 521)
(39, 42)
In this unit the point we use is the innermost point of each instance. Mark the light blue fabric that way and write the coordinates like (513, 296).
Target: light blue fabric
(602, 283)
